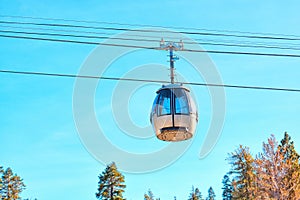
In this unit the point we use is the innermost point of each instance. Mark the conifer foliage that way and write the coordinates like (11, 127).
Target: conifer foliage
(211, 194)
(292, 158)
(11, 185)
(273, 174)
(242, 162)
(227, 188)
(150, 196)
(111, 184)
(195, 194)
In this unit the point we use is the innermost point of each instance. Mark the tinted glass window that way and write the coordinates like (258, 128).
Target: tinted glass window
(164, 102)
(181, 102)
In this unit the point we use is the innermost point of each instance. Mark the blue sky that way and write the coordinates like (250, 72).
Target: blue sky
(39, 140)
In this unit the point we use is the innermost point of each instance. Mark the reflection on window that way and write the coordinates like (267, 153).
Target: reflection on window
(181, 102)
(172, 101)
(164, 102)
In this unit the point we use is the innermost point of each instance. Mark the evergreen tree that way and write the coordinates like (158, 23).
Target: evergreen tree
(11, 185)
(287, 149)
(211, 194)
(242, 167)
(195, 194)
(149, 196)
(274, 174)
(292, 158)
(111, 184)
(278, 170)
(227, 188)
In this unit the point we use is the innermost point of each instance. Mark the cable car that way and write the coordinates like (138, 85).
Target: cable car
(174, 113)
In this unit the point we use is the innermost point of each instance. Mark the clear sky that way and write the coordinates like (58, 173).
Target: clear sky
(38, 135)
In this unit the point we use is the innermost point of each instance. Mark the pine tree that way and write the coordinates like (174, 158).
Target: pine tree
(150, 196)
(242, 167)
(227, 188)
(274, 174)
(287, 148)
(211, 194)
(11, 185)
(195, 194)
(111, 184)
(292, 158)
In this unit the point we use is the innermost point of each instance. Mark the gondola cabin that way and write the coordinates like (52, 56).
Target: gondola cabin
(174, 114)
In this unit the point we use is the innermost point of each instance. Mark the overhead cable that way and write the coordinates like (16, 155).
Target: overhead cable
(153, 31)
(250, 43)
(154, 48)
(145, 40)
(147, 25)
(149, 80)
